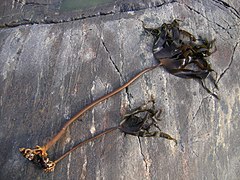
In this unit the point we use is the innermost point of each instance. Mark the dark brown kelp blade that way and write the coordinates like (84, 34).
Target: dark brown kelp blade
(182, 54)
(187, 73)
(140, 122)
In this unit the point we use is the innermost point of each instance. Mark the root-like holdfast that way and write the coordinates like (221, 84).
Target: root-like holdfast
(39, 157)
(138, 123)
(182, 54)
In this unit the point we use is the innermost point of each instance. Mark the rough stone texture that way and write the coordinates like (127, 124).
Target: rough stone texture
(22, 12)
(48, 72)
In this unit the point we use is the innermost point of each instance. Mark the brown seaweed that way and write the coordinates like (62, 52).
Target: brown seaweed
(141, 122)
(182, 54)
(39, 155)
(138, 123)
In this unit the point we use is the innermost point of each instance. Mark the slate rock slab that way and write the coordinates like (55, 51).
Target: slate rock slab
(48, 72)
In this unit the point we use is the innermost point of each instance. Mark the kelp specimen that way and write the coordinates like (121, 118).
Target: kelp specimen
(182, 54)
(140, 126)
(38, 155)
(140, 123)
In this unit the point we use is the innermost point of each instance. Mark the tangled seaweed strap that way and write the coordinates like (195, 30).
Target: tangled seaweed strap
(181, 54)
(136, 125)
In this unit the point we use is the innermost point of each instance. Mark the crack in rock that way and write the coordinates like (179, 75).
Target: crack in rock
(199, 107)
(32, 3)
(122, 9)
(51, 21)
(229, 65)
(227, 6)
(223, 28)
(129, 96)
(144, 160)
(188, 124)
(111, 60)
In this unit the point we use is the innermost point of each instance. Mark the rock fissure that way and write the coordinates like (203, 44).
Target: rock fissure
(129, 96)
(217, 24)
(26, 21)
(111, 60)
(35, 4)
(143, 156)
(47, 20)
(198, 108)
(229, 65)
(227, 6)
(188, 123)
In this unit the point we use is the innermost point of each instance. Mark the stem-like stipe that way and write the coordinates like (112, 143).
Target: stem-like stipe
(84, 142)
(39, 156)
(94, 103)
(131, 124)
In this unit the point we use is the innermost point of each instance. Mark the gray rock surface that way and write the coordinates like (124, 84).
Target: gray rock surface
(49, 71)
